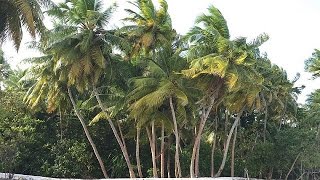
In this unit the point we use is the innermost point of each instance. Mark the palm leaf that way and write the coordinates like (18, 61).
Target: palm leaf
(98, 117)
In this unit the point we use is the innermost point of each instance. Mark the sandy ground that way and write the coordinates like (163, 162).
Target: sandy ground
(28, 177)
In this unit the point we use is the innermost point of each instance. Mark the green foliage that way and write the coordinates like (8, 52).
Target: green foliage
(70, 159)
(144, 72)
(4, 68)
(17, 129)
(149, 27)
(312, 64)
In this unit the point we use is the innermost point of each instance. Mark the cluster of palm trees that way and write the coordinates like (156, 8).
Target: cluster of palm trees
(163, 84)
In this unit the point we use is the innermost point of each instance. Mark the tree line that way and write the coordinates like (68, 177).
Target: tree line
(141, 100)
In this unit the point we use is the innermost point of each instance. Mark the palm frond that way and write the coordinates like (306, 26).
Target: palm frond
(216, 20)
(98, 117)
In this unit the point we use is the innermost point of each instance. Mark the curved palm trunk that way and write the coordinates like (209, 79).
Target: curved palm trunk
(265, 118)
(154, 147)
(153, 150)
(294, 162)
(196, 162)
(227, 144)
(176, 133)
(138, 154)
(162, 151)
(168, 157)
(60, 123)
(213, 148)
(226, 123)
(122, 137)
(203, 120)
(86, 131)
(115, 132)
(212, 156)
(232, 151)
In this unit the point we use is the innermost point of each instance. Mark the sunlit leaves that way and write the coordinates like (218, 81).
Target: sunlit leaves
(313, 64)
(149, 27)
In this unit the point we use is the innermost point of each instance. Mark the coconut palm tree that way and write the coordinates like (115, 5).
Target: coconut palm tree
(239, 101)
(278, 93)
(85, 49)
(312, 64)
(148, 27)
(161, 89)
(55, 93)
(219, 62)
(15, 14)
(313, 103)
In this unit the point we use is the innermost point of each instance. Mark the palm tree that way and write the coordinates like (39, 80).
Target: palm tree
(49, 88)
(205, 42)
(162, 89)
(14, 14)
(265, 68)
(149, 27)
(84, 50)
(313, 104)
(278, 93)
(312, 64)
(239, 101)
(219, 63)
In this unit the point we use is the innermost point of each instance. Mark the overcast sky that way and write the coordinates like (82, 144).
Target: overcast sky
(293, 27)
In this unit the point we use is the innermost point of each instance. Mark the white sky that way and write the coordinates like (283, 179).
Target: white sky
(293, 27)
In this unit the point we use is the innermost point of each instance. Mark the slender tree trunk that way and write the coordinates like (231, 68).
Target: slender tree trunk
(282, 117)
(86, 131)
(265, 118)
(294, 162)
(60, 118)
(265, 126)
(195, 146)
(196, 163)
(269, 176)
(232, 152)
(301, 177)
(121, 135)
(154, 147)
(153, 151)
(255, 142)
(203, 120)
(212, 155)
(115, 132)
(138, 153)
(227, 144)
(226, 123)
(177, 168)
(301, 169)
(213, 148)
(280, 124)
(169, 159)
(247, 174)
(162, 151)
